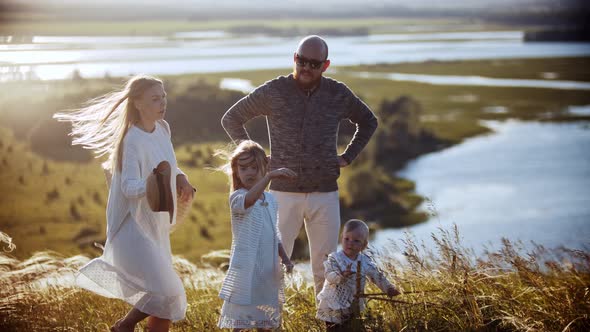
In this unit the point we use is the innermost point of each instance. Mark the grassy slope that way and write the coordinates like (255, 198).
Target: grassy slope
(37, 223)
(29, 214)
(507, 290)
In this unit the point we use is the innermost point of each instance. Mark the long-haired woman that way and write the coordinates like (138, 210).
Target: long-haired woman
(136, 266)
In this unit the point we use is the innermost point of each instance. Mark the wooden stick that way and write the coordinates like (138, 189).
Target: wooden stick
(357, 297)
(356, 303)
(404, 293)
(359, 291)
(400, 301)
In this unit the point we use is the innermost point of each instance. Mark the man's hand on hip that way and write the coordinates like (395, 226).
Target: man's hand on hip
(342, 162)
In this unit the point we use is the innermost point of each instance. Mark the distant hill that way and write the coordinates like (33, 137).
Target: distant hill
(559, 35)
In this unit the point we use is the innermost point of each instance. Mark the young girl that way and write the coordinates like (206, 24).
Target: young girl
(337, 295)
(251, 290)
(136, 265)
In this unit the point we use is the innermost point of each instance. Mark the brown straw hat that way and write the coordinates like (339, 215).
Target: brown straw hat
(159, 189)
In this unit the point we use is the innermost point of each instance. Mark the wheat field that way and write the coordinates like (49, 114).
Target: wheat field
(444, 288)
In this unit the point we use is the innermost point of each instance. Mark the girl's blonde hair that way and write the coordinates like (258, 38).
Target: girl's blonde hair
(101, 125)
(247, 147)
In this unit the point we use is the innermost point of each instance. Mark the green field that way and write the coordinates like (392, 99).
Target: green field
(47, 202)
(565, 69)
(61, 205)
(47, 27)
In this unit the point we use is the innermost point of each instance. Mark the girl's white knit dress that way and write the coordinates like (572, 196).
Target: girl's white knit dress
(136, 265)
(252, 288)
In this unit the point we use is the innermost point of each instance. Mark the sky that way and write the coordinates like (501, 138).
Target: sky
(311, 4)
(257, 9)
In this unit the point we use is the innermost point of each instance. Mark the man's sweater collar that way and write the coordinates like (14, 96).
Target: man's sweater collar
(303, 92)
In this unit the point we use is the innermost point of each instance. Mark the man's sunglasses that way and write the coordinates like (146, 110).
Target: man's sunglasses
(313, 64)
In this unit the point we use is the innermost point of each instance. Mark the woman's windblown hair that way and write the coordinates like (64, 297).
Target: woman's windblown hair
(101, 125)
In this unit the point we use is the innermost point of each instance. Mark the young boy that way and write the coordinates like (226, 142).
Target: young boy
(335, 299)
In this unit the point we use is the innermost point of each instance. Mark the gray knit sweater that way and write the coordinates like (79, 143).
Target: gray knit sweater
(303, 129)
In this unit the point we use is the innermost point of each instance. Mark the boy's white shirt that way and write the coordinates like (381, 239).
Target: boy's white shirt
(337, 295)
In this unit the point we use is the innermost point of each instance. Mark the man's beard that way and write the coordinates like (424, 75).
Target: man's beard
(307, 84)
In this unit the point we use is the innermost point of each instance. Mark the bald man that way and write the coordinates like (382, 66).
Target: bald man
(303, 112)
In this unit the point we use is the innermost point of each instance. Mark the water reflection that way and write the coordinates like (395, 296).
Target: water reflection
(237, 84)
(217, 51)
(527, 181)
(512, 35)
(579, 110)
(475, 80)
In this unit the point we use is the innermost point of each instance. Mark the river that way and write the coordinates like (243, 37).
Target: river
(57, 57)
(527, 181)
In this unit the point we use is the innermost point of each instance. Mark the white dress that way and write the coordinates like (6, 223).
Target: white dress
(136, 265)
(264, 291)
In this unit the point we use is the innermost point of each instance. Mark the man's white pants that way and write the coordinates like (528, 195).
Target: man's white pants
(321, 213)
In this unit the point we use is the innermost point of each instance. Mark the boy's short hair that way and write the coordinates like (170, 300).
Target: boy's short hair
(354, 224)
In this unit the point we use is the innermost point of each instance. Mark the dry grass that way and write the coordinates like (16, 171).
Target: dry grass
(446, 288)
